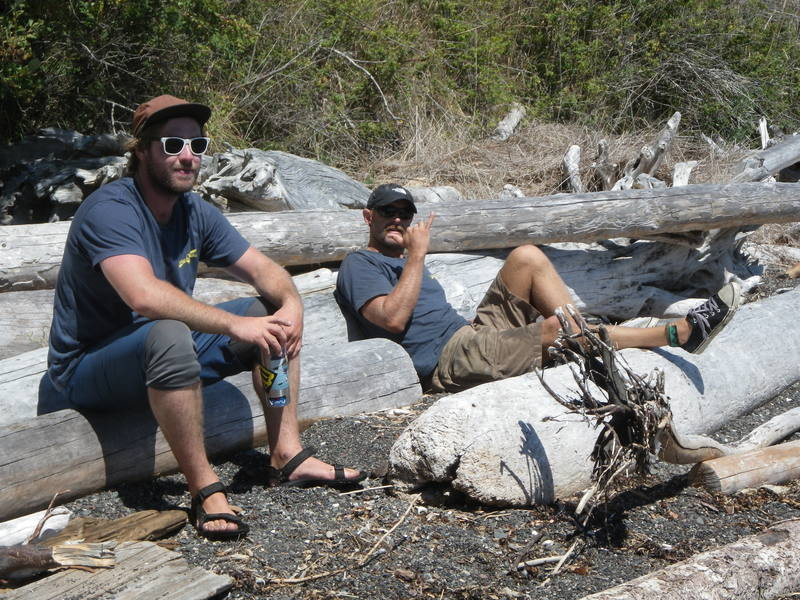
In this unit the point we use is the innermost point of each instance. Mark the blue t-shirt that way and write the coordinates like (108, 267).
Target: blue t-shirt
(365, 275)
(115, 220)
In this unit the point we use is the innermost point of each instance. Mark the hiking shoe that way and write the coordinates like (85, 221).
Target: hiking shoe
(708, 319)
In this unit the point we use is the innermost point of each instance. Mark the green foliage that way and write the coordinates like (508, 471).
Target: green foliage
(330, 78)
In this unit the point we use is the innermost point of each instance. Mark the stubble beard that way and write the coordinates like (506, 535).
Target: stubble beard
(168, 180)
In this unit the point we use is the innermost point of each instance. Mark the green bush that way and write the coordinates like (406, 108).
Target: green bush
(334, 78)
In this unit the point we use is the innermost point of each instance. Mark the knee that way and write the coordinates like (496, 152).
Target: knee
(529, 257)
(170, 357)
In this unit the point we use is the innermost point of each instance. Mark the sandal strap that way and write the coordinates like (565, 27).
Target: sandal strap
(209, 490)
(236, 520)
(338, 473)
(295, 462)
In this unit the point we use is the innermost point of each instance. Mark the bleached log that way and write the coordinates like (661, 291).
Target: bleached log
(606, 171)
(19, 530)
(681, 172)
(729, 474)
(768, 162)
(509, 443)
(650, 157)
(681, 449)
(620, 280)
(757, 567)
(82, 453)
(275, 181)
(571, 167)
(30, 254)
(505, 128)
(763, 132)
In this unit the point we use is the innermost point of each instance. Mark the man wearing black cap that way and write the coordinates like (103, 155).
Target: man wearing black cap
(126, 332)
(389, 293)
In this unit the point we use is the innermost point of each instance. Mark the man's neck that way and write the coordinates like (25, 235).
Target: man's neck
(160, 202)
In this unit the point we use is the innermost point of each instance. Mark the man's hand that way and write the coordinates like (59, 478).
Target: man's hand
(268, 333)
(416, 238)
(292, 315)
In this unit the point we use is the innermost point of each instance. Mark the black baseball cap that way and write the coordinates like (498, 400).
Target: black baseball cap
(387, 193)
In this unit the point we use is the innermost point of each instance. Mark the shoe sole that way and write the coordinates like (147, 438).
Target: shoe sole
(732, 308)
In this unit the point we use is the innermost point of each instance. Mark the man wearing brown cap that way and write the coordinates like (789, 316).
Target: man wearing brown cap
(389, 293)
(126, 332)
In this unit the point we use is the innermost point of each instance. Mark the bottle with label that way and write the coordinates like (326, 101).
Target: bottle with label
(275, 379)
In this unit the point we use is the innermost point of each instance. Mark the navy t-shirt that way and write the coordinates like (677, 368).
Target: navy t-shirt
(365, 275)
(114, 220)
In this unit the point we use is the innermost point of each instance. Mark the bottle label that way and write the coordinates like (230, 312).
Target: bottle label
(267, 377)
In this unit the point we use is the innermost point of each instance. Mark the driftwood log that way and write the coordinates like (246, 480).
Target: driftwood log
(757, 567)
(68, 450)
(618, 280)
(509, 443)
(35, 527)
(770, 161)
(729, 474)
(30, 255)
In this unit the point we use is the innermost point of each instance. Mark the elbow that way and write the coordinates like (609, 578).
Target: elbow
(142, 304)
(395, 326)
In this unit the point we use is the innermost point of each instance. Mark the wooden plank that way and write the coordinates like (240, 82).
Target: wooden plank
(81, 453)
(143, 570)
(30, 255)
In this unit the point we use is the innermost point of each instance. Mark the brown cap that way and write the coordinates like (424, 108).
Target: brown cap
(166, 107)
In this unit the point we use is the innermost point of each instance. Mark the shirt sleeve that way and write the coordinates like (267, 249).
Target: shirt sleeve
(117, 231)
(223, 245)
(360, 280)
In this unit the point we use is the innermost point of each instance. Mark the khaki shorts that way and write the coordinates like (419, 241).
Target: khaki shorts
(503, 341)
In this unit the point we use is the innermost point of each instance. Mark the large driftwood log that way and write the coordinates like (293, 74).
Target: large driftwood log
(756, 567)
(273, 181)
(509, 443)
(729, 474)
(30, 254)
(618, 280)
(81, 453)
(767, 162)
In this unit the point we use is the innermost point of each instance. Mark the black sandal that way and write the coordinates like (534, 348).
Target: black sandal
(280, 477)
(200, 517)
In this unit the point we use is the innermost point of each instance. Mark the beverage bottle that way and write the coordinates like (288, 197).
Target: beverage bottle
(275, 379)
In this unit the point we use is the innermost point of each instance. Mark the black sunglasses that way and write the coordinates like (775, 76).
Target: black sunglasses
(391, 212)
(175, 145)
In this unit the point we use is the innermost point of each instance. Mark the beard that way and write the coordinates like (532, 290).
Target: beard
(168, 179)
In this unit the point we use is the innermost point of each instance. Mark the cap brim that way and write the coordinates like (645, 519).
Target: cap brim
(200, 112)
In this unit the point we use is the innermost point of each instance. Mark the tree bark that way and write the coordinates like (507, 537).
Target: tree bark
(757, 567)
(767, 162)
(30, 255)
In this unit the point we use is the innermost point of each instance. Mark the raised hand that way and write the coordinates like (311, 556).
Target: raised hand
(416, 238)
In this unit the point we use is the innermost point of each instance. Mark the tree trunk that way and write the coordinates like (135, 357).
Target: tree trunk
(509, 443)
(757, 567)
(77, 454)
(30, 255)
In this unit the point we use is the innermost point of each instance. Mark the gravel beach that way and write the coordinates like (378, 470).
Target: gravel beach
(320, 543)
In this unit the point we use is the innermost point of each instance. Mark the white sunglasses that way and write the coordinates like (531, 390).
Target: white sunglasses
(175, 145)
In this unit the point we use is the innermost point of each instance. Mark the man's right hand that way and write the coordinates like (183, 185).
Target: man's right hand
(268, 333)
(417, 238)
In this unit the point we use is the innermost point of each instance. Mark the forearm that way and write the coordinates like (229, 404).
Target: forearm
(162, 300)
(398, 305)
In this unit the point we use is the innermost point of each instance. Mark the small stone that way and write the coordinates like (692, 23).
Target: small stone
(778, 490)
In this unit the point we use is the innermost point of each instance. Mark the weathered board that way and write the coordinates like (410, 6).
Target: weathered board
(142, 570)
